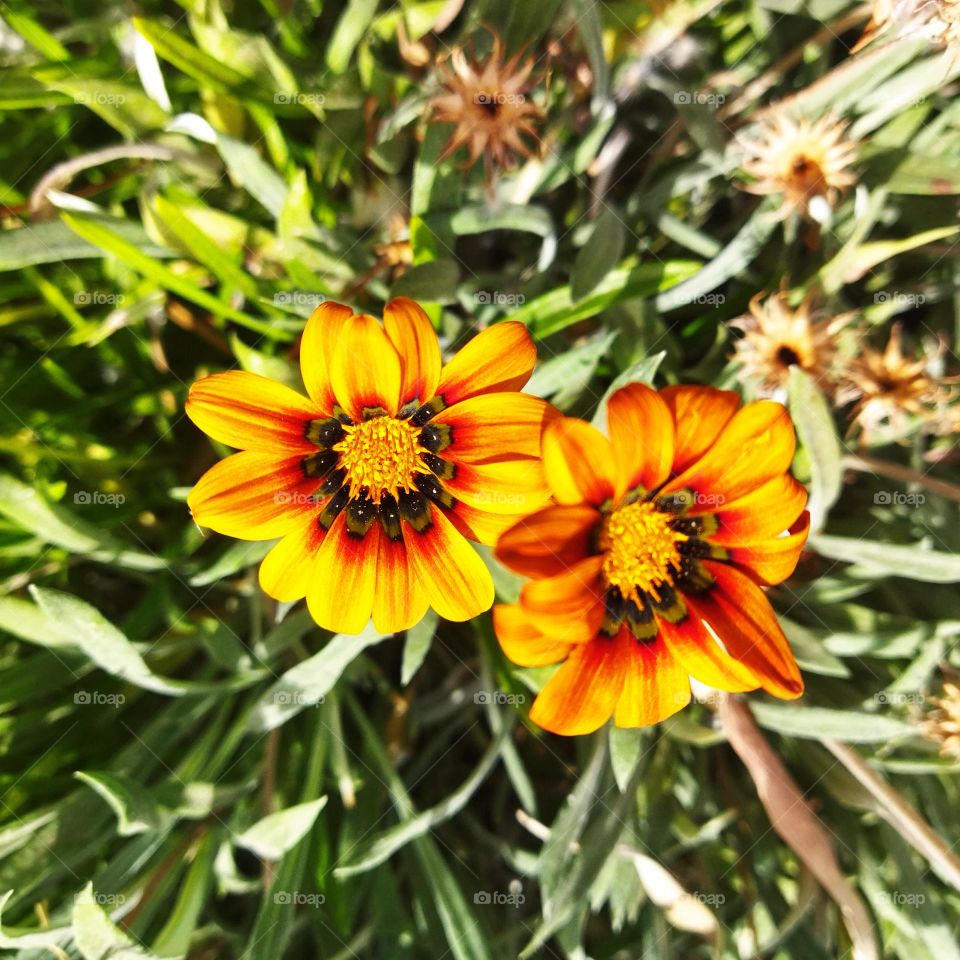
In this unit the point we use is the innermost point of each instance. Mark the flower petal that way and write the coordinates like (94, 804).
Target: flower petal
(568, 606)
(522, 642)
(755, 446)
(365, 372)
(512, 487)
(252, 496)
(578, 462)
(340, 596)
(697, 651)
(762, 513)
(699, 414)
(412, 333)
(250, 412)
(400, 601)
(641, 432)
(481, 526)
(457, 582)
(655, 685)
(772, 561)
(287, 570)
(494, 426)
(549, 541)
(317, 345)
(740, 614)
(497, 359)
(582, 695)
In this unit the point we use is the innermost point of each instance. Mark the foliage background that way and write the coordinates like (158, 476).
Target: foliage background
(189, 770)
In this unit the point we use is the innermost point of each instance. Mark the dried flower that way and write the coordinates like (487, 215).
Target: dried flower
(778, 337)
(888, 388)
(942, 725)
(807, 162)
(488, 102)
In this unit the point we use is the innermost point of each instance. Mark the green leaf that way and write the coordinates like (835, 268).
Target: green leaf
(557, 310)
(432, 282)
(271, 837)
(416, 646)
(352, 25)
(890, 559)
(143, 263)
(306, 684)
(816, 723)
(53, 241)
(599, 255)
(13, 939)
(626, 744)
(101, 641)
(176, 936)
(97, 937)
(136, 810)
(814, 422)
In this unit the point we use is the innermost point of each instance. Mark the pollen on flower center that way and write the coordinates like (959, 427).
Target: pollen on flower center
(640, 549)
(381, 455)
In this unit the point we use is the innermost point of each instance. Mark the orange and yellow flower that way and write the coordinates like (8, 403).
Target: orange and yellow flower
(377, 479)
(657, 547)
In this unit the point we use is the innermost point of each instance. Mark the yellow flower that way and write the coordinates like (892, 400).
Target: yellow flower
(657, 546)
(378, 478)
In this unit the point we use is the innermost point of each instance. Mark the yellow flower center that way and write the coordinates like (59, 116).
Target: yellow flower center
(640, 549)
(381, 455)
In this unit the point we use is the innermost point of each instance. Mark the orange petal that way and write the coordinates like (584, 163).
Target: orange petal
(578, 461)
(252, 496)
(481, 526)
(411, 332)
(696, 650)
(287, 570)
(340, 596)
(582, 695)
(641, 432)
(250, 412)
(365, 372)
(699, 414)
(456, 581)
(741, 616)
(497, 359)
(756, 445)
(568, 606)
(512, 487)
(761, 513)
(549, 541)
(522, 642)
(320, 338)
(772, 561)
(655, 685)
(400, 600)
(495, 426)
